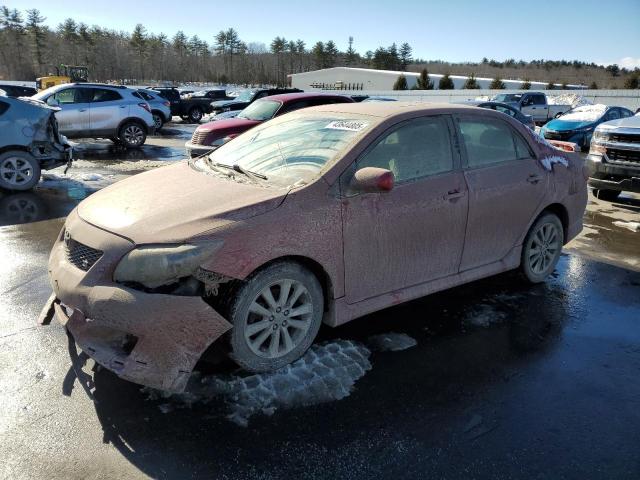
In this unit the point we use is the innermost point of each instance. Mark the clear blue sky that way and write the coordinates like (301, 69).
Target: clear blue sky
(452, 30)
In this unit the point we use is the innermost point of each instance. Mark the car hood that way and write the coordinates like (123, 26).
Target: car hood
(560, 125)
(229, 124)
(629, 122)
(172, 204)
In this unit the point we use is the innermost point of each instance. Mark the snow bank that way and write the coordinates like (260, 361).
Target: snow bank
(391, 342)
(327, 372)
(585, 113)
(573, 99)
(92, 181)
(633, 226)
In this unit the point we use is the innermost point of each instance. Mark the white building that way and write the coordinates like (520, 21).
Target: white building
(345, 78)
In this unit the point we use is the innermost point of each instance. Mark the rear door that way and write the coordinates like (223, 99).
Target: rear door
(506, 185)
(107, 110)
(414, 233)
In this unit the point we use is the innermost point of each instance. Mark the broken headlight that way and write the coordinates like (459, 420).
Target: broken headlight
(156, 265)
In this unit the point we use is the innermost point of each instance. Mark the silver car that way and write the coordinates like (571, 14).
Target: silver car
(90, 110)
(160, 107)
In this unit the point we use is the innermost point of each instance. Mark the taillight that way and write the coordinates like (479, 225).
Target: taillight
(166, 104)
(145, 106)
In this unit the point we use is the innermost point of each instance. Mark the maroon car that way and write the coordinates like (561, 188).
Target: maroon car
(210, 136)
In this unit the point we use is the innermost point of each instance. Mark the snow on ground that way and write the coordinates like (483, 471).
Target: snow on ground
(327, 372)
(573, 99)
(391, 342)
(90, 181)
(633, 226)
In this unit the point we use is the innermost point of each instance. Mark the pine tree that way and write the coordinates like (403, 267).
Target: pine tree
(424, 82)
(37, 33)
(446, 83)
(319, 54)
(471, 83)
(593, 86)
(551, 86)
(497, 84)
(351, 54)
(526, 85)
(401, 83)
(405, 55)
(631, 82)
(332, 53)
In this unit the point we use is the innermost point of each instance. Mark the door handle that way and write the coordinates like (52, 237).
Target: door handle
(533, 178)
(453, 194)
(82, 110)
(123, 106)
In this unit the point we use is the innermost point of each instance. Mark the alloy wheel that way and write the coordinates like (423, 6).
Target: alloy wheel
(16, 171)
(545, 245)
(133, 135)
(278, 319)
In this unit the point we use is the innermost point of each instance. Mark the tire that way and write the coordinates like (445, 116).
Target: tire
(19, 170)
(542, 248)
(608, 195)
(195, 114)
(158, 120)
(265, 347)
(132, 135)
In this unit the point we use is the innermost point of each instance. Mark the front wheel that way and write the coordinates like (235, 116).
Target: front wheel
(195, 114)
(132, 135)
(542, 248)
(276, 316)
(18, 170)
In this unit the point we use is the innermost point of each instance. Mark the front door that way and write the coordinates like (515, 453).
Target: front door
(415, 232)
(506, 186)
(74, 115)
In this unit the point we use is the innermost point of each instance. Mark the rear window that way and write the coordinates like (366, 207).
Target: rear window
(104, 95)
(260, 110)
(489, 141)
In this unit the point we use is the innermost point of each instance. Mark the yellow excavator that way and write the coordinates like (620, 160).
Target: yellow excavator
(64, 74)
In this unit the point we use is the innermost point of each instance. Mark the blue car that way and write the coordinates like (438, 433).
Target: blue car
(578, 124)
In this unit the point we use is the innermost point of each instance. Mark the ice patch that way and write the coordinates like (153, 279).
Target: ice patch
(391, 342)
(547, 162)
(327, 372)
(633, 226)
(484, 315)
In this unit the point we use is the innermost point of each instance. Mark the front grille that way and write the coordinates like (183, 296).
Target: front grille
(557, 135)
(623, 156)
(79, 254)
(622, 138)
(199, 137)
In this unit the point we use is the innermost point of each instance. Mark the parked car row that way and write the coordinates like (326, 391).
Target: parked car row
(534, 104)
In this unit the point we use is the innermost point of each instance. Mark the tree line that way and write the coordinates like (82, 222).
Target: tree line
(29, 48)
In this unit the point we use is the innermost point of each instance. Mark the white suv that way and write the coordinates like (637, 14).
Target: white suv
(91, 110)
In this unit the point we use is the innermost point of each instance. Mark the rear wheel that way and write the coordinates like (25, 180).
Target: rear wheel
(158, 120)
(18, 170)
(542, 248)
(195, 114)
(132, 135)
(276, 316)
(608, 195)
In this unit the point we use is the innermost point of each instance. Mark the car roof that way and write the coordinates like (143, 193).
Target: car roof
(390, 109)
(289, 97)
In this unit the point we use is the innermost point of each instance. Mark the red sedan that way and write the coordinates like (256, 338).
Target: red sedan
(212, 135)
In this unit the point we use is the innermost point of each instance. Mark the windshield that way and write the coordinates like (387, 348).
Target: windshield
(507, 97)
(260, 110)
(294, 151)
(245, 96)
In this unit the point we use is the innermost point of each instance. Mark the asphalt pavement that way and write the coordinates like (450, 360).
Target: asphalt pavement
(494, 379)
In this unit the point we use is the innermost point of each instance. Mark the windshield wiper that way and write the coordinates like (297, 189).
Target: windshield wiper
(237, 168)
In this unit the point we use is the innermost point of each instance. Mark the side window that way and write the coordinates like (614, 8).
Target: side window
(104, 95)
(294, 106)
(522, 148)
(64, 96)
(625, 113)
(487, 141)
(539, 99)
(505, 110)
(613, 114)
(418, 148)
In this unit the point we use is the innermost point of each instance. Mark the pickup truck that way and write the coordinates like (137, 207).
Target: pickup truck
(614, 158)
(192, 107)
(534, 104)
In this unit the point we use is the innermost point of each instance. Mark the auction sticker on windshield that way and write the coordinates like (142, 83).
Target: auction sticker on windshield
(349, 125)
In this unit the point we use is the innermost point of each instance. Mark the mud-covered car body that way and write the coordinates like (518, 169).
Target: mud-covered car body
(369, 248)
(31, 126)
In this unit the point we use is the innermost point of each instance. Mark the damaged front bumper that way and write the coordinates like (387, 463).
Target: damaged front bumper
(150, 339)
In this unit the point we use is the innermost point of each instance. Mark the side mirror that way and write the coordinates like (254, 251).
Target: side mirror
(53, 101)
(372, 179)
